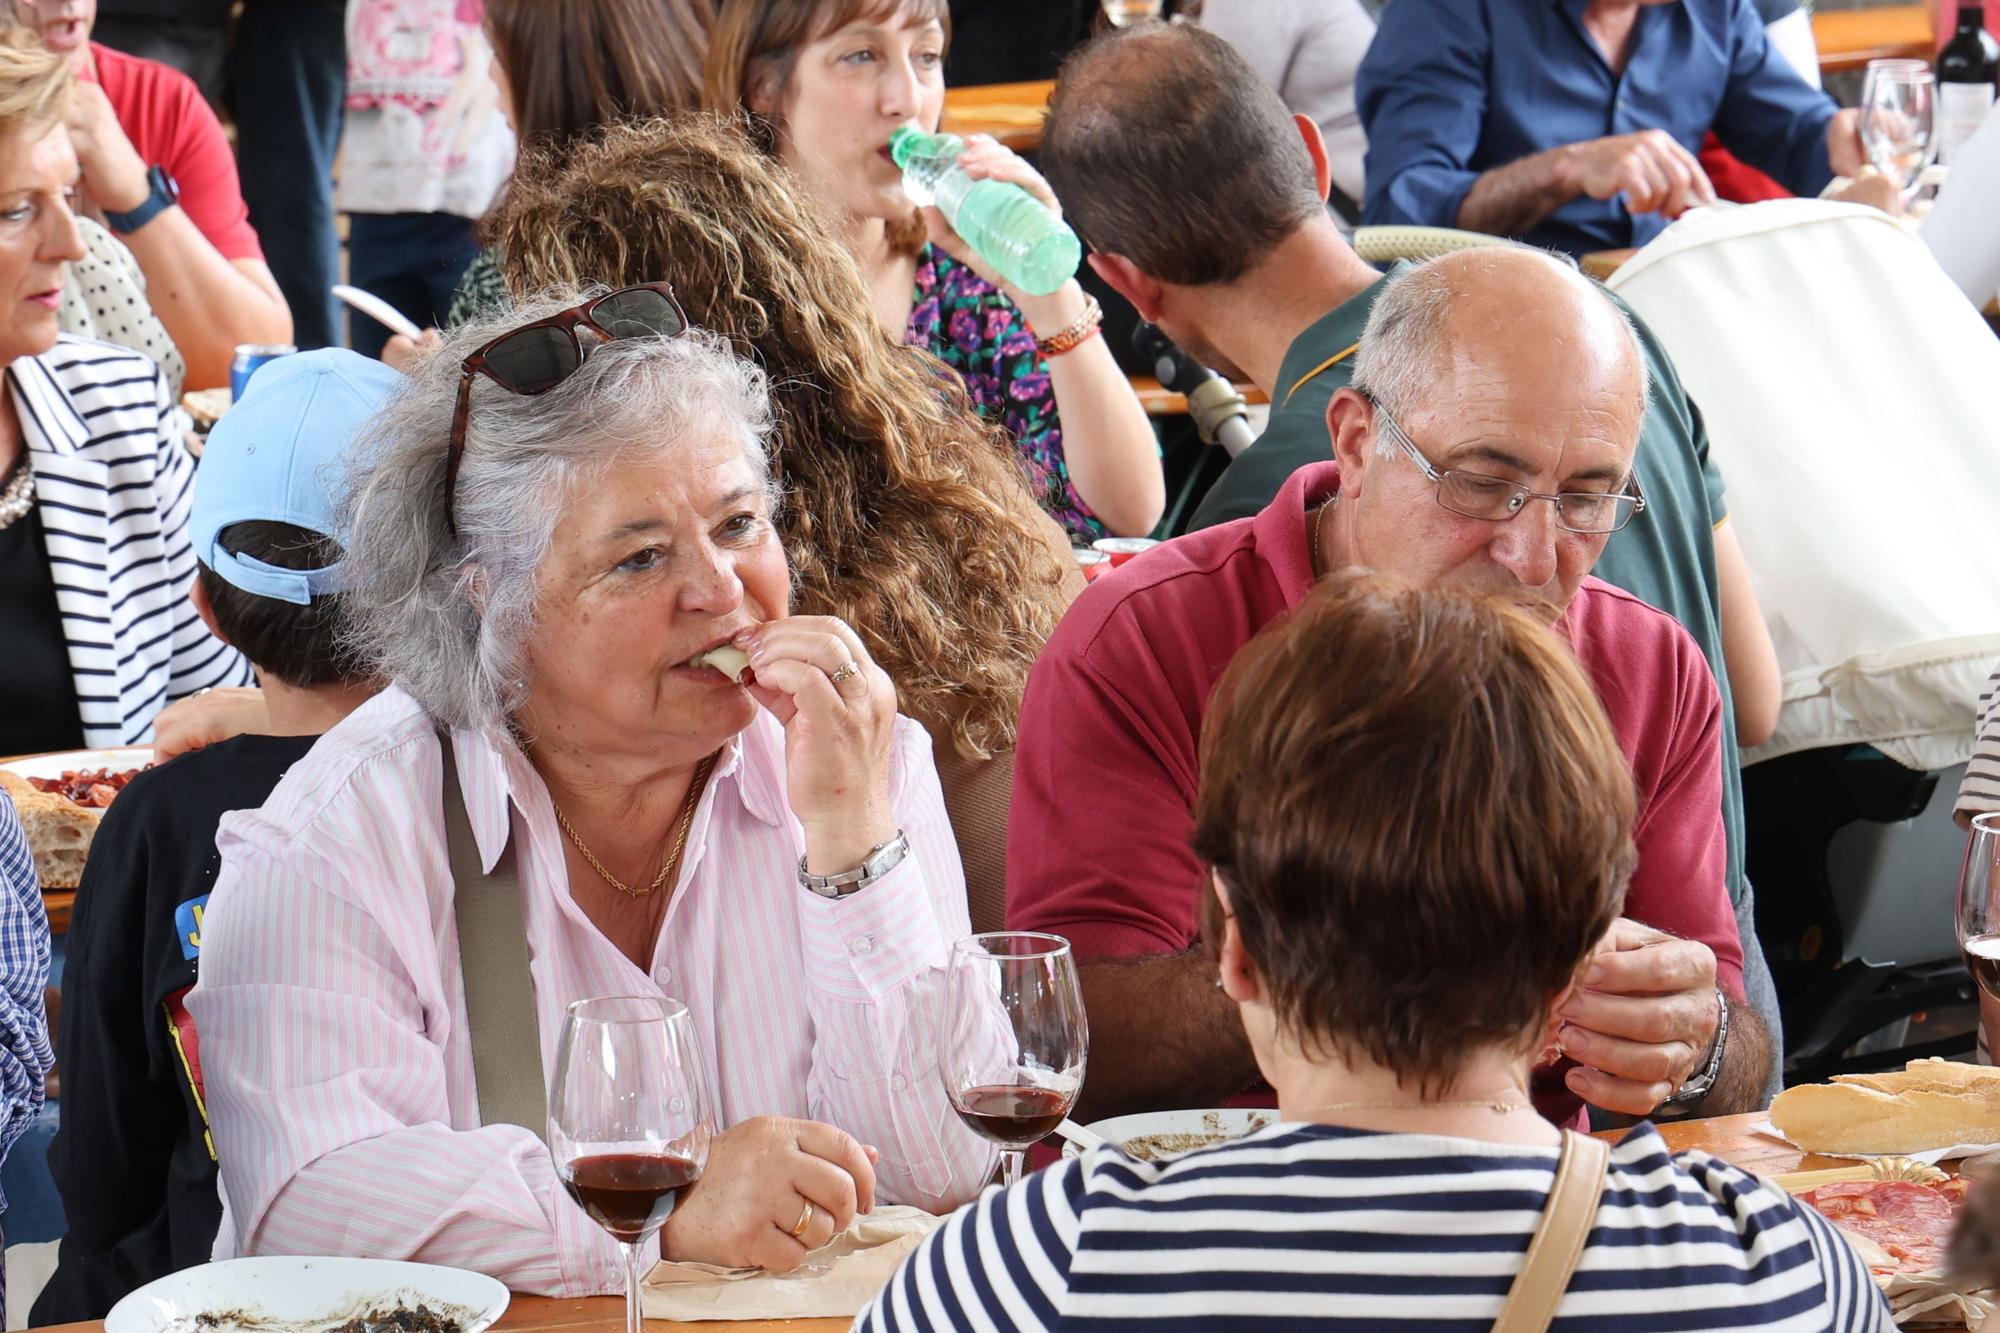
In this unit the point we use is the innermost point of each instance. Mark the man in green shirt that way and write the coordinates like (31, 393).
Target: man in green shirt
(1202, 202)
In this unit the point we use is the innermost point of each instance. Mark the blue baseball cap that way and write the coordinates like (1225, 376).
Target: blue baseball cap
(275, 457)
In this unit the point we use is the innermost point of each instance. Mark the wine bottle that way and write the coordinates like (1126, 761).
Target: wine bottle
(1965, 73)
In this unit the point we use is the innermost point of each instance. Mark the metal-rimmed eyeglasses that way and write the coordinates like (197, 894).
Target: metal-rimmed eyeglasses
(1495, 499)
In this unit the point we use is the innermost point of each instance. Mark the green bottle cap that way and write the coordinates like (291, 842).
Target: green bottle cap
(906, 142)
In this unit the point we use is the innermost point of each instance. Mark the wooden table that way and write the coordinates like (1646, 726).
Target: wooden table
(1010, 112)
(1850, 38)
(1728, 1137)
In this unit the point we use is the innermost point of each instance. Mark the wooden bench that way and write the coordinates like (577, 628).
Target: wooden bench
(1010, 112)
(1160, 401)
(1850, 38)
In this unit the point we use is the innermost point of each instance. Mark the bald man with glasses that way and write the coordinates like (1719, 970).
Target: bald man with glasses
(1486, 442)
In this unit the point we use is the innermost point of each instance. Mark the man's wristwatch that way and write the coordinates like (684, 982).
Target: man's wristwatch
(165, 193)
(879, 862)
(1702, 1081)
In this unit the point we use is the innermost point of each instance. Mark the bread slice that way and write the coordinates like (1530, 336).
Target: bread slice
(1929, 1104)
(59, 831)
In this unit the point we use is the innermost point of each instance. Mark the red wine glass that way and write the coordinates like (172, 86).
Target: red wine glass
(629, 1119)
(1979, 904)
(1015, 1039)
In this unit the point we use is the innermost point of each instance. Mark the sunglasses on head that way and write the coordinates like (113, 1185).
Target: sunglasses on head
(537, 357)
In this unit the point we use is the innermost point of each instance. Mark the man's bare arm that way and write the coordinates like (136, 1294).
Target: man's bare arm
(1162, 1034)
(1510, 200)
(1746, 1067)
(1650, 168)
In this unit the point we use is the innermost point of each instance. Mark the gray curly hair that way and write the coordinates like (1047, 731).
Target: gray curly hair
(448, 617)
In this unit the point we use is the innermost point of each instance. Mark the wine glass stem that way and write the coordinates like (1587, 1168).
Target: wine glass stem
(634, 1321)
(1010, 1165)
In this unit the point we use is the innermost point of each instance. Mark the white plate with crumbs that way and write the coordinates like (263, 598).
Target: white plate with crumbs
(286, 1294)
(1152, 1135)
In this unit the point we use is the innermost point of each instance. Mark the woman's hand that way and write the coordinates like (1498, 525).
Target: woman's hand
(208, 717)
(986, 158)
(839, 713)
(114, 175)
(402, 352)
(762, 1175)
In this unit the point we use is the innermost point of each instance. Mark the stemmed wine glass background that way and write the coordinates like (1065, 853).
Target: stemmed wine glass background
(629, 1119)
(1896, 119)
(1979, 904)
(1015, 1040)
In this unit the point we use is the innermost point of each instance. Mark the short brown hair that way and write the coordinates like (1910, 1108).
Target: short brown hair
(1168, 150)
(575, 64)
(907, 515)
(1422, 817)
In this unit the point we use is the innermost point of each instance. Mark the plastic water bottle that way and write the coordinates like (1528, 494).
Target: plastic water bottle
(1026, 244)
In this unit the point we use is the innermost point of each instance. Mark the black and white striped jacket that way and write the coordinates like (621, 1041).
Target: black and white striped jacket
(113, 483)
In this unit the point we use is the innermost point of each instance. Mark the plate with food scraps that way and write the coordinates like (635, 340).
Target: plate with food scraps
(1152, 1135)
(119, 759)
(287, 1294)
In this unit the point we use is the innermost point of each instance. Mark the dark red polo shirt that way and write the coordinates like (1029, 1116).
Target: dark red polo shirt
(1105, 772)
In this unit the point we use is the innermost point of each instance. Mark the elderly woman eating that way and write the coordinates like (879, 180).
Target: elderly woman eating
(559, 529)
(1418, 824)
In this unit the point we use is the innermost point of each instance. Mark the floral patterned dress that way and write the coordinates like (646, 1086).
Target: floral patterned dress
(965, 322)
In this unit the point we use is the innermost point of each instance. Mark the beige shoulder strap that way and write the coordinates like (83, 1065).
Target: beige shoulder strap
(1559, 1239)
(493, 963)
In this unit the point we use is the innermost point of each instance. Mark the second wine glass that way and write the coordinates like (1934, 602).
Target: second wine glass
(629, 1119)
(1015, 1039)
(1979, 904)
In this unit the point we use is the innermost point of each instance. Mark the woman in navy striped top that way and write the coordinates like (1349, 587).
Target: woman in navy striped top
(95, 564)
(1419, 825)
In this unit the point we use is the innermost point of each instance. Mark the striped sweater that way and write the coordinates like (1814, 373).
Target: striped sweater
(1314, 1225)
(112, 484)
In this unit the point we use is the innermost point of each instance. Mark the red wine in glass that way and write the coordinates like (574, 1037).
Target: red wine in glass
(629, 1194)
(1012, 1116)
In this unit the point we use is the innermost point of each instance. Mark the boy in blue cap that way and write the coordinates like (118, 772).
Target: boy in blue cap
(133, 1157)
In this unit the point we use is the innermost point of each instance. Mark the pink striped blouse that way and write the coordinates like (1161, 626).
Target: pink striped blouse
(338, 1067)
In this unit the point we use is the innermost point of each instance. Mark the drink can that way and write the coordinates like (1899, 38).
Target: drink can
(249, 356)
(1121, 549)
(1095, 564)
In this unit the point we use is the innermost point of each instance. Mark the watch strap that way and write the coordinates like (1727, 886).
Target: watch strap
(879, 862)
(165, 192)
(1702, 1082)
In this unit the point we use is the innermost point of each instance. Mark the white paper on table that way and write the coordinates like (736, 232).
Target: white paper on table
(836, 1281)
(1930, 1156)
(1959, 228)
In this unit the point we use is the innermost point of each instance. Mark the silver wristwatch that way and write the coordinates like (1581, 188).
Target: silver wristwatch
(879, 862)
(1702, 1081)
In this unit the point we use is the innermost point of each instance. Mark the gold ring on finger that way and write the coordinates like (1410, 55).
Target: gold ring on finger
(846, 669)
(805, 1220)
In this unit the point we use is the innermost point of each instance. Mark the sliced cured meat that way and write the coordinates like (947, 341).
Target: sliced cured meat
(1911, 1223)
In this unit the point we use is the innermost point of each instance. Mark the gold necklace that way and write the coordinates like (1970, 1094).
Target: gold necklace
(1316, 556)
(688, 803)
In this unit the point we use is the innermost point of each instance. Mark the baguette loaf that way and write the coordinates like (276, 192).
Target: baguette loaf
(1930, 1104)
(59, 831)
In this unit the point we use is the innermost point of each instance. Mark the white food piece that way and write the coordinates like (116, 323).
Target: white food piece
(730, 660)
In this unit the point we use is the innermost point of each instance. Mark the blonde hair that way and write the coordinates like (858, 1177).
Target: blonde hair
(35, 82)
(905, 514)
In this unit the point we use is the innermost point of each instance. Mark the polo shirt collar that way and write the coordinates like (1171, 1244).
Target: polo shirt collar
(1335, 331)
(1279, 533)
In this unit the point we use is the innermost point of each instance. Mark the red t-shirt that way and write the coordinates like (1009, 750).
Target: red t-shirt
(170, 125)
(1105, 769)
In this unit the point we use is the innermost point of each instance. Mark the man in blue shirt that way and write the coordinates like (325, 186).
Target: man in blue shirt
(1574, 124)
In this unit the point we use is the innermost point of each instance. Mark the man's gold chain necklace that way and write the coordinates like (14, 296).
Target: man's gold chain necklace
(688, 803)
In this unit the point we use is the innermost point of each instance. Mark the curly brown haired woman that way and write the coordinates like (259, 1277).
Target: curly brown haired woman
(905, 514)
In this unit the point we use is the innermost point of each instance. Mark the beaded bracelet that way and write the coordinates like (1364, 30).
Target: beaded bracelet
(1074, 334)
